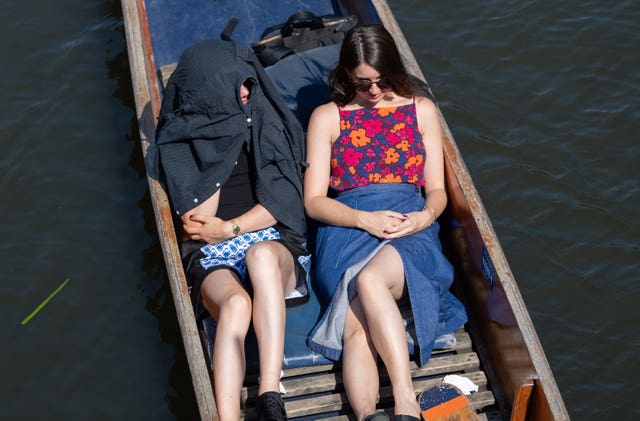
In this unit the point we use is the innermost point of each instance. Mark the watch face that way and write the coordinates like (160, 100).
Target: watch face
(236, 227)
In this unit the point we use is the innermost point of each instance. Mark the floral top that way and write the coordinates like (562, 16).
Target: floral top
(377, 145)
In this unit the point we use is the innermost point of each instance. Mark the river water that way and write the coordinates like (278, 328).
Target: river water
(542, 100)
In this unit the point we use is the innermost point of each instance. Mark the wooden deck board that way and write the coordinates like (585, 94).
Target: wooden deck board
(319, 383)
(488, 416)
(317, 391)
(335, 403)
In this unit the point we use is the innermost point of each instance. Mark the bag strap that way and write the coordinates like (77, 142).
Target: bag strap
(273, 54)
(229, 28)
(301, 19)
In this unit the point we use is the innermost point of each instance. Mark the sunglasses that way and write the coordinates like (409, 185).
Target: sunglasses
(365, 85)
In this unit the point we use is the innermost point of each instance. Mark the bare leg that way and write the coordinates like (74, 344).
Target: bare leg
(380, 284)
(359, 365)
(229, 303)
(271, 269)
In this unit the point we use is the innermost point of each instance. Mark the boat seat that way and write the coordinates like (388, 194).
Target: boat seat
(301, 79)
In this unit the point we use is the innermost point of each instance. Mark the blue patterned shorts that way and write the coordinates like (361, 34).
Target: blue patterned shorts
(200, 259)
(231, 252)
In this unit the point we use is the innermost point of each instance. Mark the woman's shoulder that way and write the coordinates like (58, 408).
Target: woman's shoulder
(332, 106)
(326, 111)
(427, 114)
(325, 117)
(424, 103)
(425, 107)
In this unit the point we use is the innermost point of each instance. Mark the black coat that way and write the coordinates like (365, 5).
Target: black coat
(203, 126)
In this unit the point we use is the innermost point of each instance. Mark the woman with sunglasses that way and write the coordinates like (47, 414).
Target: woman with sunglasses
(375, 184)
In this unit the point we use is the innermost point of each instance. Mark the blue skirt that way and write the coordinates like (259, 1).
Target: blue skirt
(431, 311)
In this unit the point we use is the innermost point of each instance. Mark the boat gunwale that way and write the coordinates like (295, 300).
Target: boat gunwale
(147, 98)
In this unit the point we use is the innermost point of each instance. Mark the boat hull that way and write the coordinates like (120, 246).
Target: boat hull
(500, 333)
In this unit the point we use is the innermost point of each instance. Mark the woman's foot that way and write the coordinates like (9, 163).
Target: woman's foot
(377, 416)
(271, 407)
(404, 408)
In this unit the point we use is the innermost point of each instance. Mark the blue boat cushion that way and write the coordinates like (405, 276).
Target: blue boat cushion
(187, 26)
(301, 79)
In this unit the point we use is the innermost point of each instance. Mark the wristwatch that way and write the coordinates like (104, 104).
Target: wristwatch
(235, 227)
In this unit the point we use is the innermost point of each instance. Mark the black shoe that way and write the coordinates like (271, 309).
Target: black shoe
(271, 407)
(378, 416)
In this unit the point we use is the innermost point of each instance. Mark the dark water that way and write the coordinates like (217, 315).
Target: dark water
(541, 97)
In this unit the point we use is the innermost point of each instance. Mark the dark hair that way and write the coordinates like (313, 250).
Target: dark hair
(372, 45)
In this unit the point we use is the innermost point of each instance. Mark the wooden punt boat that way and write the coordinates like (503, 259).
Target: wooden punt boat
(498, 349)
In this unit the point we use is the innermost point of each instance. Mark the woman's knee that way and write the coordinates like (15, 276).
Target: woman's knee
(356, 333)
(369, 281)
(263, 253)
(237, 308)
(270, 265)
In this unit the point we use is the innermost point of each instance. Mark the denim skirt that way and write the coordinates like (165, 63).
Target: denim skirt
(431, 311)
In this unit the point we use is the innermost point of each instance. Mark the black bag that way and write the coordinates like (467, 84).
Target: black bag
(302, 31)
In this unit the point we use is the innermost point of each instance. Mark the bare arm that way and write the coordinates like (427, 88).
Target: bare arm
(433, 138)
(322, 131)
(201, 224)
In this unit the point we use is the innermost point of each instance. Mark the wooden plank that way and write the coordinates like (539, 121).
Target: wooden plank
(521, 402)
(311, 384)
(323, 393)
(338, 403)
(147, 98)
(463, 345)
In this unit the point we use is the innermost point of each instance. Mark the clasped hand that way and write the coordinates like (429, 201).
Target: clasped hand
(209, 229)
(389, 224)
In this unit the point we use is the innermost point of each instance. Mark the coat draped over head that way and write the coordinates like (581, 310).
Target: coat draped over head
(203, 126)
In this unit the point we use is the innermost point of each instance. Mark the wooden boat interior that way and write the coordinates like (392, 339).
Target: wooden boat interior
(498, 349)
(313, 384)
